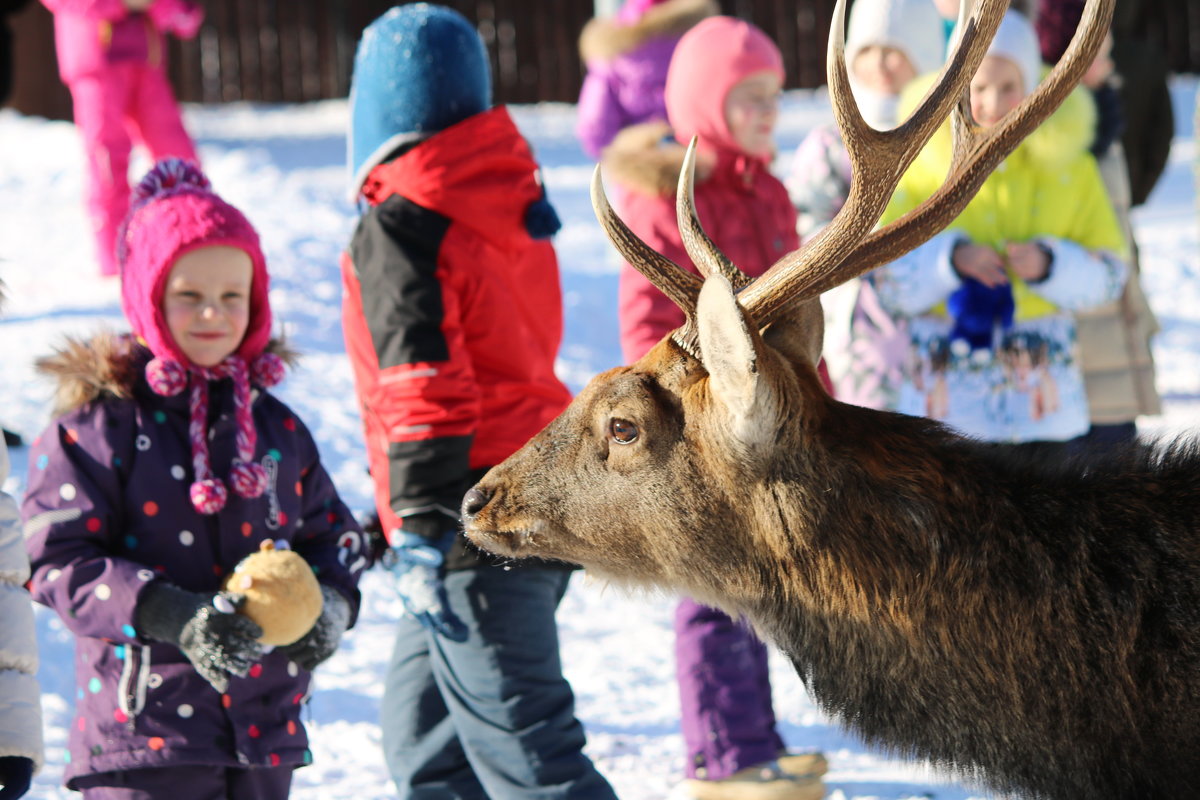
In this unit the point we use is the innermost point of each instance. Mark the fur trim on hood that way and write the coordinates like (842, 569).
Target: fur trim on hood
(1066, 133)
(603, 38)
(109, 364)
(646, 159)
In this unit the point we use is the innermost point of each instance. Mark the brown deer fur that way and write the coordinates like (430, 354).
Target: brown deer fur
(1032, 621)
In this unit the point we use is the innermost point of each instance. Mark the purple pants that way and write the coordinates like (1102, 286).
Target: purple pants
(724, 693)
(188, 783)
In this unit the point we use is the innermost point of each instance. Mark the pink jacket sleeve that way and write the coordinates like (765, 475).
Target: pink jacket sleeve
(178, 17)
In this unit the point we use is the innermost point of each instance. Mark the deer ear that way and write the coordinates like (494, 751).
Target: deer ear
(730, 350)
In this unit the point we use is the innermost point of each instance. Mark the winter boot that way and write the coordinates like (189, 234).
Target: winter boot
(766, 781)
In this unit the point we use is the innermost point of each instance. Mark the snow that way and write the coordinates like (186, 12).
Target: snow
(285, 166)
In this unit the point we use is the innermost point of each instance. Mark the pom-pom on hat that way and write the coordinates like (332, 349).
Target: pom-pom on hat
(710, 59)
(419, 69)
(175, 211)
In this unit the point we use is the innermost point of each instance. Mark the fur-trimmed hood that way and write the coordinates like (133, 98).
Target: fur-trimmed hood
(646, 158)
(605, 38)
(108, 364)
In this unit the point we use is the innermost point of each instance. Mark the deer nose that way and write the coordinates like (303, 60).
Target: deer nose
(474, 501)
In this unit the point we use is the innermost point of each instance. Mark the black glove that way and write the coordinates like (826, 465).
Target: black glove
(207, 628)
(320, 643)
(16, 774)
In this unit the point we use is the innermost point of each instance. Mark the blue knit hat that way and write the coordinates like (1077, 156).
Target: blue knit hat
(419, 69)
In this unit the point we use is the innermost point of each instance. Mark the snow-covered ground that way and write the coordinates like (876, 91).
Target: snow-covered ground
(284, 165)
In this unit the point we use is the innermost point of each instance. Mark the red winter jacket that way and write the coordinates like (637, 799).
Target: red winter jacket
(452, 316)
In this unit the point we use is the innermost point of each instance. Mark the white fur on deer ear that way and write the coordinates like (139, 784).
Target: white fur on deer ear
(730, 350)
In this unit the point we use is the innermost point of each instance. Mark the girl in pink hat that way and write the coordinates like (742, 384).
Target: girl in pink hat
(723, 86)
(168, 463)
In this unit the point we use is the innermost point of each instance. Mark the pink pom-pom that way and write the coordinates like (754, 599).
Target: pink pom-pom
(167, 175)
(249, 480)
(267, 370)
(208, 496)
(166, 377)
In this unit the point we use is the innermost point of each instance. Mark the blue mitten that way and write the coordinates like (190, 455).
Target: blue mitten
(416, 561)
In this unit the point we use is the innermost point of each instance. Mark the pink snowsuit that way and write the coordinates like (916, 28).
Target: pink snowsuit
(113, 61)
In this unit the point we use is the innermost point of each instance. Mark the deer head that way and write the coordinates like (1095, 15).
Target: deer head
(661, 472)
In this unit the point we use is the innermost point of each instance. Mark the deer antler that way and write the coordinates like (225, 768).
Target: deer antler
(844, 250)
(847, 248)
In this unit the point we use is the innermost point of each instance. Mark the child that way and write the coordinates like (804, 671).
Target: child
(168, 463)
(723, 85)
(1114, 339)
(996, 289)
(627, 60)
(20, 706)
(112, 57)
(888, 44)
(453, 316)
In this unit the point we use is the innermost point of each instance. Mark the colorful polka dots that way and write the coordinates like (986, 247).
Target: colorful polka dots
(130, 542)
(94, 686)
(43, 461)
(292, 727)
(247, 529)
(160, 417)
(129, 631)
(289, 424)
(67, 492)
(187, 538)
(155, 743)
(71, 436)
(256, 671)
(178, 472)
(226, 701)
(92, 524)
(185, 711)
(120, 716)
(254, 732)
(274, 759)
(102, 591)
(150, 508)
(53, 574)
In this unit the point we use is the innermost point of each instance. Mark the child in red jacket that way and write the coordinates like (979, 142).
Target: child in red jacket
(723, 86)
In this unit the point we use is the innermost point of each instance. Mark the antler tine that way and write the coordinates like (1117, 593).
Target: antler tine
(878, 159)
(977, 151)
(703, 251)
(682, 286)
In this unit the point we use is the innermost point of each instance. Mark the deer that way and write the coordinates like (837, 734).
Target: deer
(1029, 623)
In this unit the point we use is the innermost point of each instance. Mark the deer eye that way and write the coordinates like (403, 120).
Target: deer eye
(622, 431)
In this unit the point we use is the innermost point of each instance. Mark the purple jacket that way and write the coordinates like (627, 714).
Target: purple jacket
(627, 59)
(107, 512)
(91, 34)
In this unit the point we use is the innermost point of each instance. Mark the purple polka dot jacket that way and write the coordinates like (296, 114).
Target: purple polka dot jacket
(106, 513)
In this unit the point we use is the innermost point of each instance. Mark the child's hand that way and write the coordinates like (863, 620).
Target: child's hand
(320, 643)
(1029, 261)
(218, 641)
(979, 262)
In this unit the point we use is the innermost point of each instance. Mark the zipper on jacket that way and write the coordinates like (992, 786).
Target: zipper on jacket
(135, 677)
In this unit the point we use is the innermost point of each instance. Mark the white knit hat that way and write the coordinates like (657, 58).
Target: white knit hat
(1017, 41)
(913, 27)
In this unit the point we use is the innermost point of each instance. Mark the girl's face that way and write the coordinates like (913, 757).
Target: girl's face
(751, 111)
(882, 69)
(996, 89)
(206, 302)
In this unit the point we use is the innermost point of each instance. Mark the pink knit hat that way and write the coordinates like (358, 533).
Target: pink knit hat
(175, 211)
(710, 59)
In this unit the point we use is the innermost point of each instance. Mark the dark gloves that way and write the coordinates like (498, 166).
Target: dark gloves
(207, 628)
(416, 562)
(16, 774)
(320, 643)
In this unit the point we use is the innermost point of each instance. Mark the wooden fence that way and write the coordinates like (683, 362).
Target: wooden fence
(300, 50)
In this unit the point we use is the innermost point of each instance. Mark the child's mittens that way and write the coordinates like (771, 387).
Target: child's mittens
(218, 641)
(322, 640)
(178, 17)
(16, 775)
